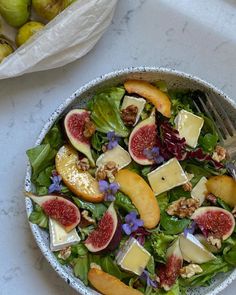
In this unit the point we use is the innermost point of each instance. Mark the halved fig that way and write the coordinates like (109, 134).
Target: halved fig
(169, 272)
(142, 138)
(214, 221)
(223, 187)
(193, 251)
(108, 284)
(81, 183)
(141, 195)
(74, 124)
(160, 99)
(58, 208)
(106, 237)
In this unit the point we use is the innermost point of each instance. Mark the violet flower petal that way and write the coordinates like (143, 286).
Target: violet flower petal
(129, 218)
(109, 198)
(114, 187)
(126, 228)
(103, 185)
(190, 229)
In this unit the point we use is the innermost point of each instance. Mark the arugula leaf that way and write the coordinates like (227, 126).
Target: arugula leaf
(105, 111)
(97, 209)
(160, 242)
(39, 217)
(210, 269)
(172, 225)
(124, 202)
(178, 192)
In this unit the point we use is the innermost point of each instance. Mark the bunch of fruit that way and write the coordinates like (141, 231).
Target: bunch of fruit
(17, 14)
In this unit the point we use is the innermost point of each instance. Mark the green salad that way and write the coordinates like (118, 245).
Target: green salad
(136, 191)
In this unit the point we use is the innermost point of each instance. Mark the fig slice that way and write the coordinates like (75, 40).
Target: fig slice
(81, 183)
(58, 208)
(193, 250)
(143, 137)
(152, 94)
(214, 221)
(169, 272)
(106, 237)
(108, 284)
(74, 123)
(141, 195)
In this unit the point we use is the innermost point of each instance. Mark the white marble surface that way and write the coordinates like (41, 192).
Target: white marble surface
(195, 36)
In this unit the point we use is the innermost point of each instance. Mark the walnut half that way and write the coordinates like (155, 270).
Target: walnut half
(129, 115)
(107, 171)
(183, 207)
(190, 270)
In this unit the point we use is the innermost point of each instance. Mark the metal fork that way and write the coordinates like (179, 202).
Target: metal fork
(223, 124)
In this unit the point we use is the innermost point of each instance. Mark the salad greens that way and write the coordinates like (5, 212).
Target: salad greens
(105, 114)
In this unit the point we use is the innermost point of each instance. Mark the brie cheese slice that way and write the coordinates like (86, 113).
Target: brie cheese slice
(59, 238)
(118, 155)
(200, 190)
(167, 176)
(189, 127)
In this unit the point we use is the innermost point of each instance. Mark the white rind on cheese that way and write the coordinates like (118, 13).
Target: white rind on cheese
(189, 127)
(59, 238)
(133, 257)
(200, 190)
(118, 155)
(137, 101)
(167, 176)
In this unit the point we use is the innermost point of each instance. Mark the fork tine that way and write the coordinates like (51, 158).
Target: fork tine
(225, 133)
(228, 124)
(209, 115)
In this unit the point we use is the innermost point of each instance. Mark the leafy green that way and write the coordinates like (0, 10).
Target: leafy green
(222, 204)
(81, 268)
(54, 137)
(229, 251)
(209, 136)
(85, 231)
(160, 242)
(98, 140)
(40, 157)
(151, 266)
(162, 85)
(105, 111)
(97, 209)
(38, 217)
(146, 111)
(78, 250)
(178, 192)
(124, 202)
(172, 225)
(210, 269)
(163, 201)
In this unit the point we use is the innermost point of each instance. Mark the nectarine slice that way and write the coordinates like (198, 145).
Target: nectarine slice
(81, 183)
(223, 187)
(141, 195)
(160, 100)
(108, 284)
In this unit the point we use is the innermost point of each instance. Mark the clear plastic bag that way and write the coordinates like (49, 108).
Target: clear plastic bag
(69, 36)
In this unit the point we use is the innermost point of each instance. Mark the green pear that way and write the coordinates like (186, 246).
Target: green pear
(27, 30)
(5, 48)
(15, 12)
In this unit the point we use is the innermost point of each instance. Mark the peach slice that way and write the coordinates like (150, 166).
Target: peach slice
(160, 100)
(108, 284)
(223, 187)
(81, 183)
(141, 195)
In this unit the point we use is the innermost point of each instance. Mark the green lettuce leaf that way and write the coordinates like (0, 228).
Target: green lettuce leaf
(39, 217)
(105, 111)
(124, 202)
(160, 242)
(172, 225)
(210, 269)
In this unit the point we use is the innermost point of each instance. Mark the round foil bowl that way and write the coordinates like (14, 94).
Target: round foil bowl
(174, 79)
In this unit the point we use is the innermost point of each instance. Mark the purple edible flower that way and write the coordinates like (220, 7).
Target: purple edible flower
(56, 183)
(150, 282)
(113, 140)
(190, 229)
(154, 154)
(109, 189)
(132, 223)
(231, 168)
